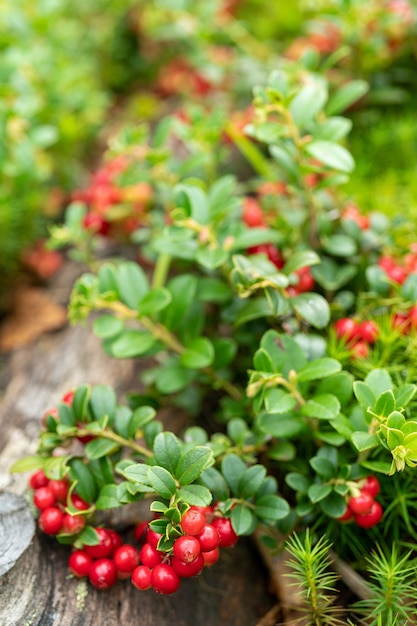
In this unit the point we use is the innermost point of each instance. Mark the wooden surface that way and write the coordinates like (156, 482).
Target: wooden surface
(37, 590)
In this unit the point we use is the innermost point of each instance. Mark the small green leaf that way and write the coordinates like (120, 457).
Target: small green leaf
(334, 505)
(313, 308)
(323, 467)
(199, 353)
(318, 491)
(250, 481)
(280, 424)
(404, 394)
(173, 377)
(80, 401)
(155, 300)
(27, 464)
(107, 326)
(308, 102)
(66, 414)
(122, 421)
(385, 403)
(297, 481)
(131, 343)
(377, 466)
(364, 441)
(86, 486)
(340, 245)
(162, 481)
(279, 401)
(324, 406)
(167, 451)
(215, 482)
(242, 519)
(132, 284)
(379, 381)
(192, 464)
(100, 447)
(271, 508)
(141, 416)
(319, 368)
(332, 155)
(107, 498)
(211, 258)
(347, 95)
(103, 401)
(364, 394)
(233, 468)
(305, 258)
(88, 536)
(195, 495)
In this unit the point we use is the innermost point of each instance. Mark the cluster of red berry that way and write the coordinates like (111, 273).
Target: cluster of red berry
(254, 217)
(396, 271)
(362, 508)
(51, 497)
(103, 194)
(357, 335)
(202, 532)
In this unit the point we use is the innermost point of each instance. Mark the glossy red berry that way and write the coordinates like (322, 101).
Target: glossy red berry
(360, 350)
(60, 489)
(187, 570)
(152, 537)
(126, 558)
(209, 538)
(368, 331)
(371, 485)
(43, 498)
(362, 503)
(150, 556)
(252, 213)
(116, 539)
(78, 502)
(346, 328)
(193, 521)
(51, 520)
(140, 532)
(367, 520)
(38, 479)
(73, 524)
(68, 397)
(104, 547)
(186, 548)
(228, 537)
(103, 574)
(164, 579)
(211, 557)
(79, 563)
(141, 577)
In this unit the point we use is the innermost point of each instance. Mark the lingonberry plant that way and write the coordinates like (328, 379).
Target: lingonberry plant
(266, 312)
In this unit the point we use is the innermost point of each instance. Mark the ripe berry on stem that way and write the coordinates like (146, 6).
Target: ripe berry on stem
(141, 577)
(126, 558)
(43, 498)
(228, 537)
(164, 579)
(51, 520)
(103, 574)
(79, 563)
(186, 548)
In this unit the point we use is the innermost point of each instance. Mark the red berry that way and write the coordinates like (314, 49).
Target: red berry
(361, 504)
(104, 547)
(187, 548)
(59, 489)
(96, 224)
(38, 479)
(371, 485)
(360, 350)
(73, 524)
(397, 274)
(68, 397)
(187, 570)
(367, 520)
(193, 521)
(211, 557)
(164, 579)
(79, 563)
(103, 574)
(368, 331)
(51, 520)
(153, 538)
(140, 531)
(126, 558)
(116, 539)
(43, 498)
(228, 537)
(149, 555)
(209, 538)
(252, 213)
(412, 317)
(78, 502)
(346, 328)
(271, 251)
(141, 577)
